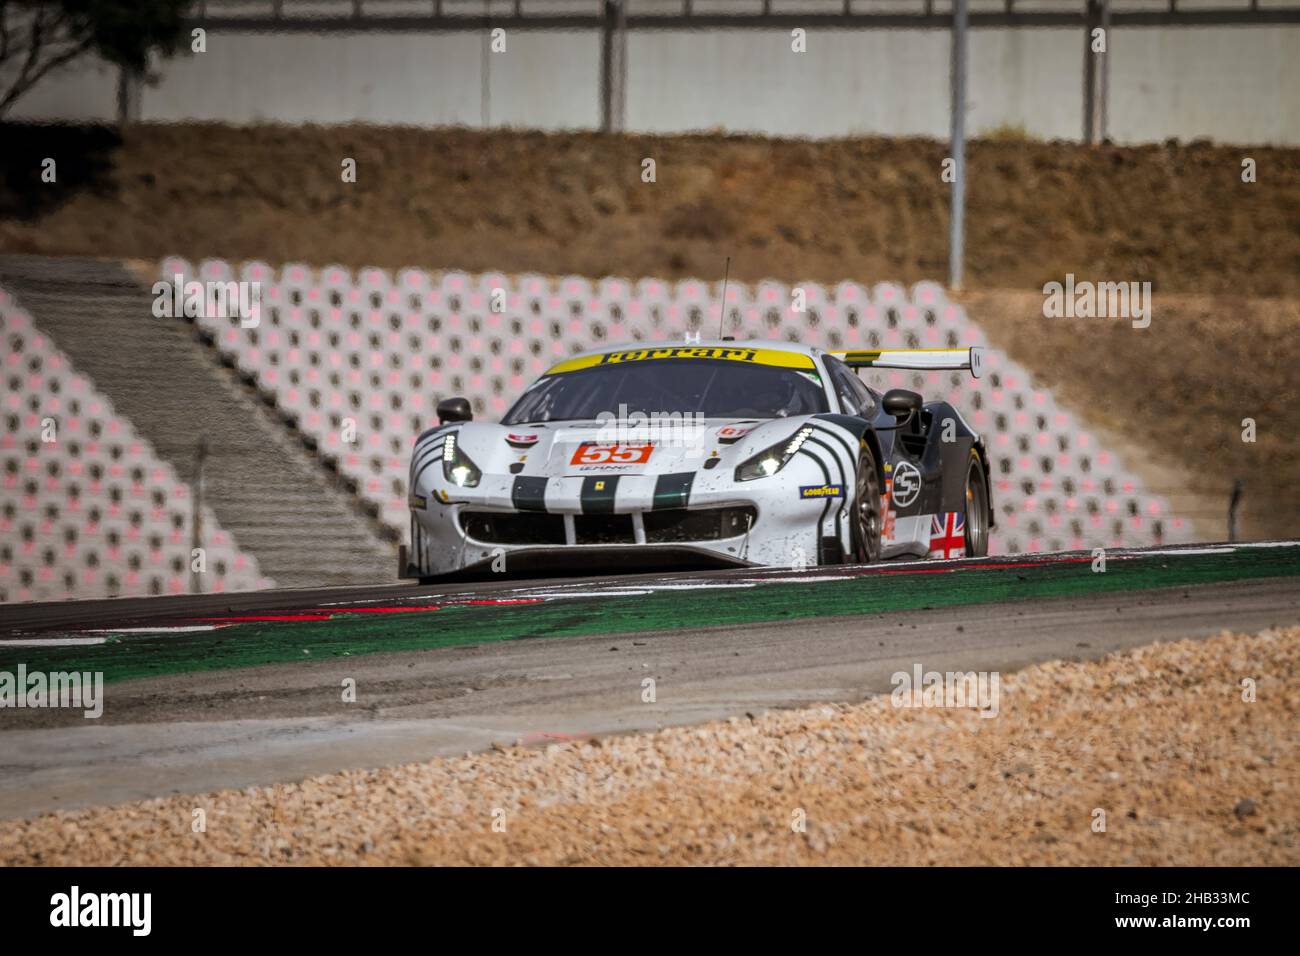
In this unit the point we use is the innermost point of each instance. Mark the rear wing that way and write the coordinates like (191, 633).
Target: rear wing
(920, 360)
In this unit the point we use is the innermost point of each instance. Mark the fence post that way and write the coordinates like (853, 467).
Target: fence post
(957, 144)
(1092, 20)
(1103, 84)
(606, 67)
(613, 66)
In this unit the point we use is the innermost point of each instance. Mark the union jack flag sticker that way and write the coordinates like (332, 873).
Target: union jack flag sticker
(948, 535)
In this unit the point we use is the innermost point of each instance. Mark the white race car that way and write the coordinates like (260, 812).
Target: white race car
(724, 452)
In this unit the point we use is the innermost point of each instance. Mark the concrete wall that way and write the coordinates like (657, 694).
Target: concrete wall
(1233, 84)
(83, 92)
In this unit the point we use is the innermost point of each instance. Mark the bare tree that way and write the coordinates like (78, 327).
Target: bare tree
(38, 38)
(34, 41)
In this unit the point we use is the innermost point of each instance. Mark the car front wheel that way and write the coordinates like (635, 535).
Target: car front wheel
(866, 511)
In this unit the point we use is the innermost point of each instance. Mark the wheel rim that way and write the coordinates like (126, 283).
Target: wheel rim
(976, 519)
(866, 509)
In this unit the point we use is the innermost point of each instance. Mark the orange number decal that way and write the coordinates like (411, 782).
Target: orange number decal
(612, 454)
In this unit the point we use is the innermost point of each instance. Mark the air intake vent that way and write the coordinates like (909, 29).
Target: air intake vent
(525, 528)
(704, 524)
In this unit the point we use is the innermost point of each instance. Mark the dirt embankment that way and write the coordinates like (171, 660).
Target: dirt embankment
(1148, 757)
(863, 208)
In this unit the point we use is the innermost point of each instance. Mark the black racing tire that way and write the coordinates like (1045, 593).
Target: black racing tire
(865, 519)
(978, 510)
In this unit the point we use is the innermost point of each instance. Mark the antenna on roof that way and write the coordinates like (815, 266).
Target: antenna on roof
(722, 312)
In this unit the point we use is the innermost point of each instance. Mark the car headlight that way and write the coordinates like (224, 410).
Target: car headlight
(771, 460)
(456, 465)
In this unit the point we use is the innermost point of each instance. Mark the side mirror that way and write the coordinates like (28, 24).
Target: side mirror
(458, 410)
(900, 403)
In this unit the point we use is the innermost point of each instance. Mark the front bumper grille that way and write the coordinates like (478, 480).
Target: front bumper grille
(603, 529)
(704, 524)
(522, 528)
(671, 526)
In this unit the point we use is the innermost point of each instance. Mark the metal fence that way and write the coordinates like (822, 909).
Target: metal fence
(431, 15)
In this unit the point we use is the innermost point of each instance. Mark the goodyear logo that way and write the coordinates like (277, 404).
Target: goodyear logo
(821, 491)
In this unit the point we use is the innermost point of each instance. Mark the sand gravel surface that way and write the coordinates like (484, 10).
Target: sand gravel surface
(1160, 740)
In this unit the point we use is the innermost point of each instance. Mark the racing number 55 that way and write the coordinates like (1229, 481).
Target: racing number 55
(612, 455)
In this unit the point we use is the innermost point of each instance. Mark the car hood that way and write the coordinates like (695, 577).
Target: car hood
(592, 447)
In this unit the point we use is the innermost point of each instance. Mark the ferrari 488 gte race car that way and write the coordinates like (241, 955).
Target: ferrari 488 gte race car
(741, 453)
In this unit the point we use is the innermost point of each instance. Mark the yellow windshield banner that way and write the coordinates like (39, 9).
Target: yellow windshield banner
(776, 357)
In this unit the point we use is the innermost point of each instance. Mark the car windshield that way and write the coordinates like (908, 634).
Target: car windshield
(714, 388)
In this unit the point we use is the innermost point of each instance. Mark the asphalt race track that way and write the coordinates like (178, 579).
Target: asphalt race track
(233, 690)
